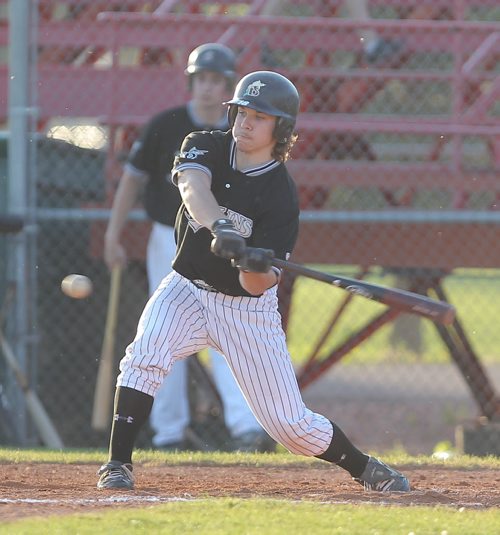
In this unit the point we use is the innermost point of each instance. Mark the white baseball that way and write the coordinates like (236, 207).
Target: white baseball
(76, 286)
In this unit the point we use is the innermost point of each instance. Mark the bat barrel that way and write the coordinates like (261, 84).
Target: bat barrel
(423, 306)
(403, 300)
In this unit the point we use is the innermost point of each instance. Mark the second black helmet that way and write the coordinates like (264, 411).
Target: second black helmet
(212, 57)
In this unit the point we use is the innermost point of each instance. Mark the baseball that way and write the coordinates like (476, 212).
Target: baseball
(76, 286)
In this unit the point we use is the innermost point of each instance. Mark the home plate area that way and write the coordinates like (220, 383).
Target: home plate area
(29, 490)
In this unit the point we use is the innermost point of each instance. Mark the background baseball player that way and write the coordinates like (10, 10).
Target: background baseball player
(238, 203)
(211, 70)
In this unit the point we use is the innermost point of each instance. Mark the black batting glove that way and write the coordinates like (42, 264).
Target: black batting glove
(227, 243)
(255, 259)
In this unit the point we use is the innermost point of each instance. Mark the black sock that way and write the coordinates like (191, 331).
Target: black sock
(132, 409)
(343, 453)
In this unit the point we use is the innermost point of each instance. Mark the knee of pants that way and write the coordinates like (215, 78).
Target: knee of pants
(299, 437)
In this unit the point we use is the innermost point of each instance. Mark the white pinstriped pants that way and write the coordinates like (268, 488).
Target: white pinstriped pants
(181, 319)
(170, 413)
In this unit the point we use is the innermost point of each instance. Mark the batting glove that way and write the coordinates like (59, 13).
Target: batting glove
(227, 243)
(255, 259)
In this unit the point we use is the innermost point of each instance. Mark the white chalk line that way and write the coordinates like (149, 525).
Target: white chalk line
(166, 499)
(96, 501)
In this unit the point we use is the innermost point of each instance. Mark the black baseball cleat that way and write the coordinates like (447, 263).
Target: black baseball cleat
(380, 477)
(115, 475)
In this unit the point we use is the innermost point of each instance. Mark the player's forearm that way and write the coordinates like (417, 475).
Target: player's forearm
(125, 198)
(258, 283)
(194, 187)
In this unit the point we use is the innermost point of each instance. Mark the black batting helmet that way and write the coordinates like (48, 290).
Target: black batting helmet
(212, 57)
(271, 93)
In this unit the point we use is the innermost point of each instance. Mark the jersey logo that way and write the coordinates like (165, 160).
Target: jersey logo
(242, 224)
(253, 90)
(193, 153)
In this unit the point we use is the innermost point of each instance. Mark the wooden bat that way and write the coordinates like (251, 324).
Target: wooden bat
(413, 303)
(104, 391)
(41, 419)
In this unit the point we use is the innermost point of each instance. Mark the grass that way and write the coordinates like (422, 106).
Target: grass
(282, 458)
(269, 517)
(474, 293)
(230, 516)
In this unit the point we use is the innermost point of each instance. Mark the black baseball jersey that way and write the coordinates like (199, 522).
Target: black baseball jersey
(153, 153)
(261, 202)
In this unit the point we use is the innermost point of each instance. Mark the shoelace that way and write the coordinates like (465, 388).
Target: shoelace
(116, 473)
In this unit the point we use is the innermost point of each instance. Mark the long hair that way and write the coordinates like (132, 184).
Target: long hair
(281, 150)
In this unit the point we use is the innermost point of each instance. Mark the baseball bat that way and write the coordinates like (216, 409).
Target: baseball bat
(403, 300)
(48, 433)
(104, 391)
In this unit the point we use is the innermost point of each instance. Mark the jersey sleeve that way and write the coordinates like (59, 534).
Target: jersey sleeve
(198, 151)
(144, 151)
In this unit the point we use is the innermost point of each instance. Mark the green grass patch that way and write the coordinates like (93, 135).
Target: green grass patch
(97, 456)
(84, 456)
(269, 517)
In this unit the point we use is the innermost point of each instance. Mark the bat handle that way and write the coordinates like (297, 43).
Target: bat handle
(279, 263)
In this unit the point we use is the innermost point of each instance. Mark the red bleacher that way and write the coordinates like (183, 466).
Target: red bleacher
(73, 47)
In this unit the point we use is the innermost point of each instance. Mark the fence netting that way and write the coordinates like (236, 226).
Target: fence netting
(397, 167)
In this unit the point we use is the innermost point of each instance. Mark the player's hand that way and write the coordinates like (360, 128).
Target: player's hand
(114, 254)
(227, 243)
(255, 259)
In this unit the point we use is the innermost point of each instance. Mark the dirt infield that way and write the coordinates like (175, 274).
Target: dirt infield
(28, 490)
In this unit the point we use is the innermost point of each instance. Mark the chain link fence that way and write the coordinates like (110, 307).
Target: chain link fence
(397, 166)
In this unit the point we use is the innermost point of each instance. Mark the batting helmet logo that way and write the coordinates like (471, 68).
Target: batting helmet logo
(253, 90)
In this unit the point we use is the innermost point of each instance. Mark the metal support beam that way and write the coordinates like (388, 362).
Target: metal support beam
(21, 192)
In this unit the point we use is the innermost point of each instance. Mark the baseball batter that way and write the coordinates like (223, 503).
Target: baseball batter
(210, 71)
(239, 209)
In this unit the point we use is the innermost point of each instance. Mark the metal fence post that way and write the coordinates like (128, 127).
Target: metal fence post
(21, 192)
